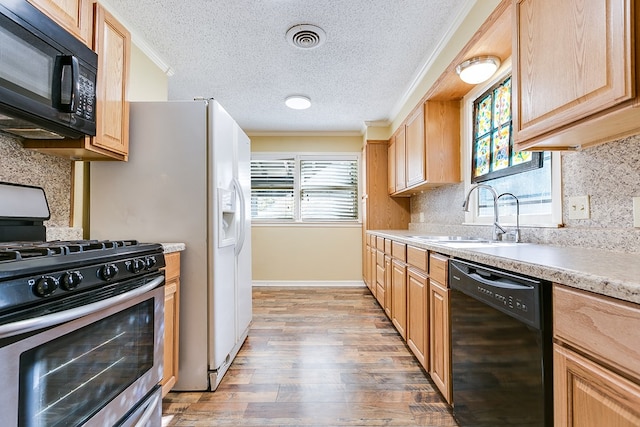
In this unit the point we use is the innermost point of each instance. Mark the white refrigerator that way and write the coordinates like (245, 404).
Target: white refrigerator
(188, 179)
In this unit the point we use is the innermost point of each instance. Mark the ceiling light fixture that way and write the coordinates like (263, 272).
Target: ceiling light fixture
(478, 69)
(298, 102)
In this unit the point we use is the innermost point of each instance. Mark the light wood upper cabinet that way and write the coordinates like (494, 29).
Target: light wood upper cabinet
(401, 158)
(73, 15)
(112, 43)
(574, 72)
(391, 160)
(415, 146)
(442, 142)
(596, 359)
(427, 148)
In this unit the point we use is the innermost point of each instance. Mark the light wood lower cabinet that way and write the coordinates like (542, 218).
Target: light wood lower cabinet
(440, 324)
(380, 277)
(171, 321)
(388, 277)
(440, 338)
(399, 297)
(417, 315)
(596, 354)
(589, 395)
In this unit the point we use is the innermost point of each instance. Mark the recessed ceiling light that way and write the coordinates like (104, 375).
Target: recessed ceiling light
(477, 70)
(298, 102)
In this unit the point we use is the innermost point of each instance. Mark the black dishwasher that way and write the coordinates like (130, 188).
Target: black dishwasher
(501, 350)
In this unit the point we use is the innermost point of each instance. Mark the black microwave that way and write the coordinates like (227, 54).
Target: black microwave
(47, 76)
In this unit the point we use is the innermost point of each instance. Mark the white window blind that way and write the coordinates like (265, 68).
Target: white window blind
(304, 188)
(328, 190)
(273, 188)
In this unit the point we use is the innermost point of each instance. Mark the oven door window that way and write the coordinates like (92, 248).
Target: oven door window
(65, 381)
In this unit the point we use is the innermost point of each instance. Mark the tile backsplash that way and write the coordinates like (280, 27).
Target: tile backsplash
(608, 173)
(21, 166)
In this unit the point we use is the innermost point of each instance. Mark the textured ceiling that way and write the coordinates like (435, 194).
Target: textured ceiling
(236, 51)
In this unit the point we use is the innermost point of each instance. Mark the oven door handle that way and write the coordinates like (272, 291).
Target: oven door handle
(148, 412)
(28, 325)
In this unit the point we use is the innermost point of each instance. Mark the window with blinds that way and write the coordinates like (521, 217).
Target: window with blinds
(328, 190)
(304, 188)
(272, 188)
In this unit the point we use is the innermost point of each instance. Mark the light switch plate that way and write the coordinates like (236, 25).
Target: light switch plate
(579, 207)
(636, 212)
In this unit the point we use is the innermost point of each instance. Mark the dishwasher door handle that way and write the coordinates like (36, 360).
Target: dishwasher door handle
(502, 283)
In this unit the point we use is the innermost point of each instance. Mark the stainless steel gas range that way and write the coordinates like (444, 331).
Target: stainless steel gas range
(81, 324)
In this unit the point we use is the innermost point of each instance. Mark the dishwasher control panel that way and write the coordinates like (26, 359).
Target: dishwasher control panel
(517, 296)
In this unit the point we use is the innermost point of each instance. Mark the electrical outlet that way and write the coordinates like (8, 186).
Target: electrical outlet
(636, 212)
(579, 207)
(422, 216)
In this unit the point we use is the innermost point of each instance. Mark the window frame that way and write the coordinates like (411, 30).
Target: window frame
(536, 158)
(552, 219)
(298, 157)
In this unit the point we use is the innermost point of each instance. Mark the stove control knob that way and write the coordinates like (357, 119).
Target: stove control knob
(137, 265)
(151, 262)
(108, 271)
(70, 280)
(45, 286)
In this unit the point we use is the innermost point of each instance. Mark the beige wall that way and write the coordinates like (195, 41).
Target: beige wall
(306, 255)
(147, 82)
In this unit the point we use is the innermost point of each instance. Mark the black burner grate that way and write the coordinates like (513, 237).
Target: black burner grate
(14, 251)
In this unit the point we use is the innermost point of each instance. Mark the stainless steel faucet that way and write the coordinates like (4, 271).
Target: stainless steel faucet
(515, 233)
(497, 229)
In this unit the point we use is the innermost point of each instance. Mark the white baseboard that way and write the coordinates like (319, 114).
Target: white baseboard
(307, 283)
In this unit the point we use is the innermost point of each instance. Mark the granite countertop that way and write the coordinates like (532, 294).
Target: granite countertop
(173, 247)
(613, 274)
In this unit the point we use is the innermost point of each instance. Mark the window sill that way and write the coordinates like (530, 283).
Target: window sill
(319, 224)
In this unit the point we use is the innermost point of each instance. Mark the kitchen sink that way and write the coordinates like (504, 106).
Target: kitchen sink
(468, 244)
(462, 241)
(444, 239)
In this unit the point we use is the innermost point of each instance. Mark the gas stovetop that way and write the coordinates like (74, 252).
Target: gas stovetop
(37, 275)
(38, 272)
(14, 251)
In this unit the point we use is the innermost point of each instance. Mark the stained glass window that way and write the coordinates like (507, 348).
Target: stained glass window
(493, 153)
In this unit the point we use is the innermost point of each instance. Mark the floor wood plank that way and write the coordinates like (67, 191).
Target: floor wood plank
(316, 357)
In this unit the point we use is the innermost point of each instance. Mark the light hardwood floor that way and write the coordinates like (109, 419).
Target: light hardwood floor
(316, 357)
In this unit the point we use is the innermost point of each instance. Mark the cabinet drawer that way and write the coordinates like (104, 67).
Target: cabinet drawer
(387, 246)
(602, 326)
(418, 257)
(380, 258)
(172, 262)
(399, 251)
(380, 243)
(438, 268)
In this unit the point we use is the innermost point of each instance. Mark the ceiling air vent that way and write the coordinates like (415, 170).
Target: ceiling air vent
(306, 36)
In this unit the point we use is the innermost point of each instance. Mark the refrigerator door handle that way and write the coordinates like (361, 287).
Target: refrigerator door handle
(241, 231)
